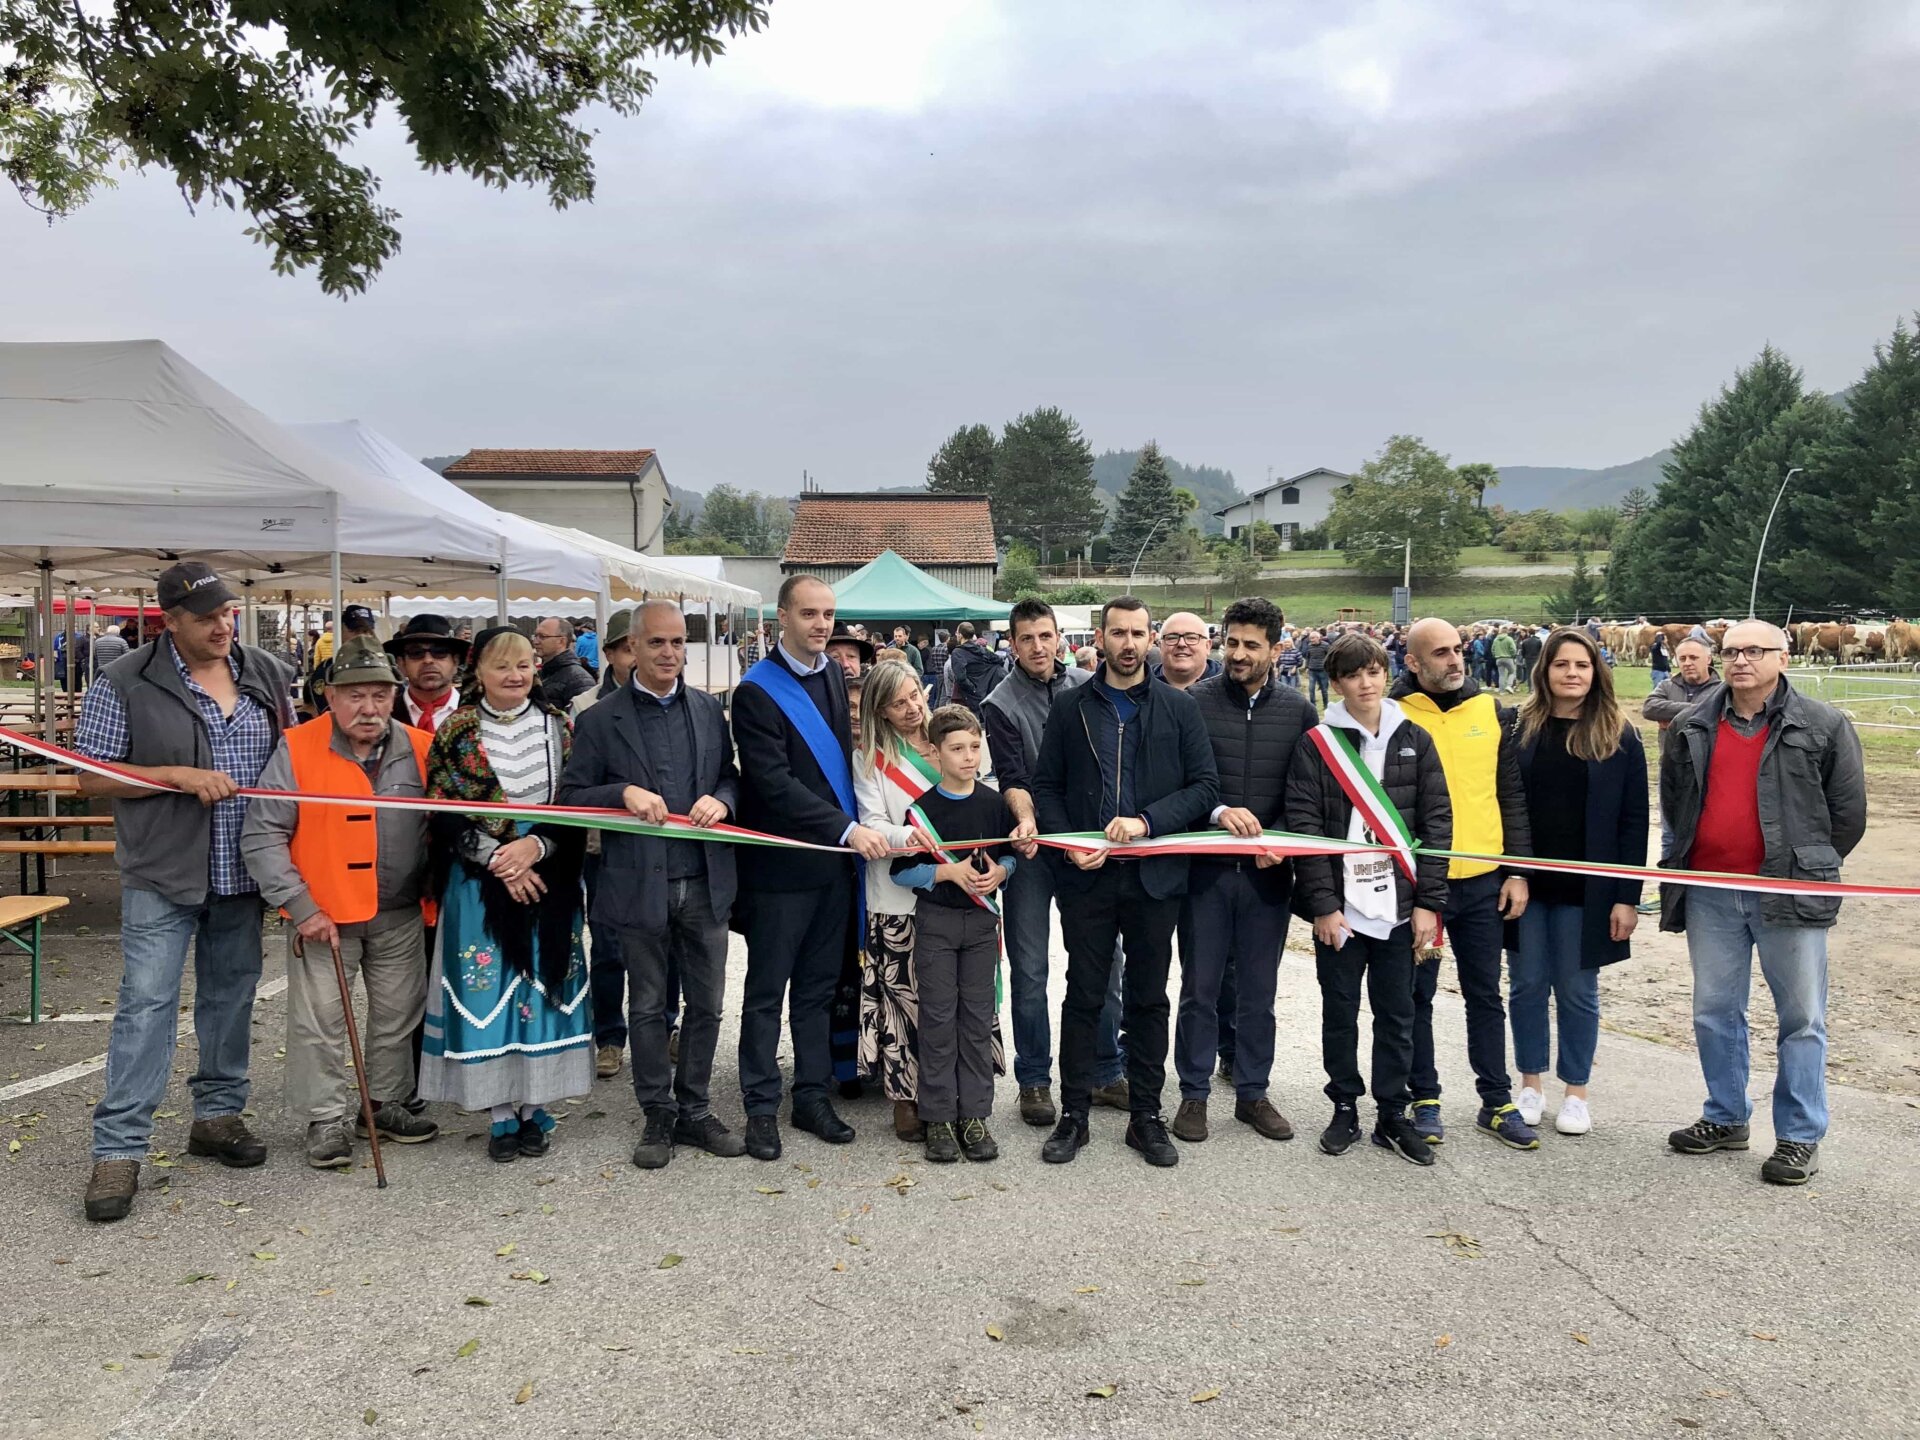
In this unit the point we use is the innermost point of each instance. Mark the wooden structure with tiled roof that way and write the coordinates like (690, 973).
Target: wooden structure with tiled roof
(949, 536)
(618, 495)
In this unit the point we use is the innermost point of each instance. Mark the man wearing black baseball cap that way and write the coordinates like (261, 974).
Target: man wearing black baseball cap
(200, 714)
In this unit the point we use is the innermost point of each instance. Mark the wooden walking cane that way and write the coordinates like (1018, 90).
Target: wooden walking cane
(359, 1060)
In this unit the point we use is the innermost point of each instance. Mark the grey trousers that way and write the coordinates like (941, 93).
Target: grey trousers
(388, 962)
(695, 941)
(954, 955)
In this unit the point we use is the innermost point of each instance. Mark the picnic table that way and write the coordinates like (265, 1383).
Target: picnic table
(17, 913)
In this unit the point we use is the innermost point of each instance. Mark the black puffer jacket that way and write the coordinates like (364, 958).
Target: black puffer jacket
(1253, 746)
(1316, 805)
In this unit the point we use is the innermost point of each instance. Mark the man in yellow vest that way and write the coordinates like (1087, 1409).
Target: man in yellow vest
(354, 876)
(1482, 763)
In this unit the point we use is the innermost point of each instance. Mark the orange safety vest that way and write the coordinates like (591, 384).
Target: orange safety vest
(336, 848)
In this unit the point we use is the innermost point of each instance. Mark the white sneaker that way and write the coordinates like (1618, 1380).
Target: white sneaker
(1573, 1118)
(1531, 1104)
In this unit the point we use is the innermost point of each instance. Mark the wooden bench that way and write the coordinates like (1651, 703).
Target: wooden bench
(38, 836)
(16, 913)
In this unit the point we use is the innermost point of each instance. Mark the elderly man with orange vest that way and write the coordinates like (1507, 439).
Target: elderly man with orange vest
(351, 876)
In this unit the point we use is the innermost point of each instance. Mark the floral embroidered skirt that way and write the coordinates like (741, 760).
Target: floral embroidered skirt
(493, 1035)
(890, 1010)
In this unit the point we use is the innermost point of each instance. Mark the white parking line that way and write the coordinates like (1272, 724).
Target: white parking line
(99, 1062)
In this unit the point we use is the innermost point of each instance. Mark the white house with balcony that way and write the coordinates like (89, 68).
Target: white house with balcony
(1296, 503)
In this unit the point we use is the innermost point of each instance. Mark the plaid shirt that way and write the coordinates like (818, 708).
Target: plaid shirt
(242, 745)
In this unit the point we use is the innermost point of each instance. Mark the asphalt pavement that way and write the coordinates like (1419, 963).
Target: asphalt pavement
(1601, 1286)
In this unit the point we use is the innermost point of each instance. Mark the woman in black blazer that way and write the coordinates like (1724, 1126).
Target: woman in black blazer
(1586, 779)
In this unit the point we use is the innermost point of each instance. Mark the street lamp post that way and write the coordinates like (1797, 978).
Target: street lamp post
(1754, 594)
(1135, 570)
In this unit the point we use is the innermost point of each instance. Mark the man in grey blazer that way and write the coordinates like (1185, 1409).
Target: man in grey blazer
(657, 748)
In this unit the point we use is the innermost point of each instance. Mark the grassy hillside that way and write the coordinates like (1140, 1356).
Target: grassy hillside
(1559, 487)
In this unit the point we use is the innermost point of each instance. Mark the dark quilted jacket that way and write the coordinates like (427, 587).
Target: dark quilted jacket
(1316, 805)
(1253, 749)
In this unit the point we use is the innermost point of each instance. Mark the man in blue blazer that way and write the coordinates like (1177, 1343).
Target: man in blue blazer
(656, 748)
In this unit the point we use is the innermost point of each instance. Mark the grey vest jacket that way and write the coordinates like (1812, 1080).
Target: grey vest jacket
(163, 843)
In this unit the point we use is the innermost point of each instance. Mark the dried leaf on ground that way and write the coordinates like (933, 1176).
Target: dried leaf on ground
(197, 1276)
(667, 1262)
(1087, 1290)
(1763, 1335)
(1102, 1392)
(840, 1267)
(768, 1190)
(1459, 1245)
(1581, 1336)
(996, 1334)
(468, 1350)
(477, 1300)
(507, 1249)
(370, 1416)
(526, 1394)
(1205, 1396)
(1441, 1342)
(538, 1277)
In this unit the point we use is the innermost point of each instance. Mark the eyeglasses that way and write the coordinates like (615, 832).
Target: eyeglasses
(1181, 640)
(1749, 653)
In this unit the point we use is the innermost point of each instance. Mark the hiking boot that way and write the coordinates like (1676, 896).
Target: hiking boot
(976, 1143)
(1703, 1137)
(1067, 1138)
(1115, 1096)
(1036, 1105)
(763, 1137)
(330, 1145)
(1262, 1115)
(1504, 1124)
(414, 1104)
(708, 1134)
(1342, 1131)
(227, 1139)
(943, 1146)
(656, 1141)
(1793, 1162)
(906, 1122)
(1395, 1131)
(1190, 1121)
(396, 1123)
(606, 1061)
(110, 1189)
(1426, 1120)
(1148, 1134)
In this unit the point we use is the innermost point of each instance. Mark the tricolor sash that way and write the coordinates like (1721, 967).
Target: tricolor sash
(783, 687)
(1380, 815)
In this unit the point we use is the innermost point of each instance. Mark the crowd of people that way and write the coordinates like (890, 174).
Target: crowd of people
(912, 784)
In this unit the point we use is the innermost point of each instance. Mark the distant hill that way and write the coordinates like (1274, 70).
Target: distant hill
(1560, 487)
(1214, 489)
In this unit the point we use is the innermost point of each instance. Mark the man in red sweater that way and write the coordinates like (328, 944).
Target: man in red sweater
(1760, 780)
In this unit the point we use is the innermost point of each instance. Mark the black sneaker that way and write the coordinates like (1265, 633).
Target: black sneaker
(1148, 1134)
(1067, 1138)
(535, 1138)
(943, 1146)
(763, 1137)
(976, 1142)
(503, 1147)
(1703, 1137)
(656, 1141)
(1342, 1131)
(708, 1134)
(1792, 1163)
(1394, 1131)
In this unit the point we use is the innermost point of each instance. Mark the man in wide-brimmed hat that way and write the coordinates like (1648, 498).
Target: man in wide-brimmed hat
(853, 653)
(353, 877)
(429, 655)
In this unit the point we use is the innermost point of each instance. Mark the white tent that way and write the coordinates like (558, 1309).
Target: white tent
(118, 457)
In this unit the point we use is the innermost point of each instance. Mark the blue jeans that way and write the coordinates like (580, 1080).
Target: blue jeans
(1724, 928)
(1317, 685)
(224, 931)
(1474, 932)
(1231, 937)
(1027, 910)
(1547, 962)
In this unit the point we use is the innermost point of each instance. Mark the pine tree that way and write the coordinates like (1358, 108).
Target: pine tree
(1635, 503)
(1149, 509)
(1580, 599)
(1043, 483)
(963, 465)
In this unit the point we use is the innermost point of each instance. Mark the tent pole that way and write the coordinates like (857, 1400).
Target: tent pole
(500, 589)
(290, 642)
(43, 651)
(139, 618)
(709, 644)
(249, 627)
(339, 625)
(73, 670)
(93, 624)
(602, 610)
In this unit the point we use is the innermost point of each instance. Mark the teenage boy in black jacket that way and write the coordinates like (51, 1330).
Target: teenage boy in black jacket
(1368, 916)
(1127, 755)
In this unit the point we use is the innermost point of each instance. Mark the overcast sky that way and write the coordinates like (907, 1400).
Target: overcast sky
(1264, 234)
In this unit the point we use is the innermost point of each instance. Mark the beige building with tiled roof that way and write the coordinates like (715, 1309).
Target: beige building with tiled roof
(948, 536)
(618, 495)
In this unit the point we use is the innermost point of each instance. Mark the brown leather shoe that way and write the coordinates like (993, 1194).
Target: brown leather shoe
(606, 1061)
(1190, 1121)
(227, 1139)
(110, 1189)
(1036, 1105)
(1115, 1096)
(1261, 1115)
(907, 1123)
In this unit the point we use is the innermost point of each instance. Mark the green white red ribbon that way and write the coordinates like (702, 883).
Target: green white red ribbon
(1219, 843)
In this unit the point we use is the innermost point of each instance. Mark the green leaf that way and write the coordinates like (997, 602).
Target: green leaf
(477, 1300)
(667, 1262)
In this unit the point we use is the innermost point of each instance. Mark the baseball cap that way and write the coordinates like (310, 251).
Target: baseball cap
(357, 617)
(194, 585)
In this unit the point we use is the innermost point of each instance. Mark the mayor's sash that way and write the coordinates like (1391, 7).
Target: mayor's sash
(774, 676)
